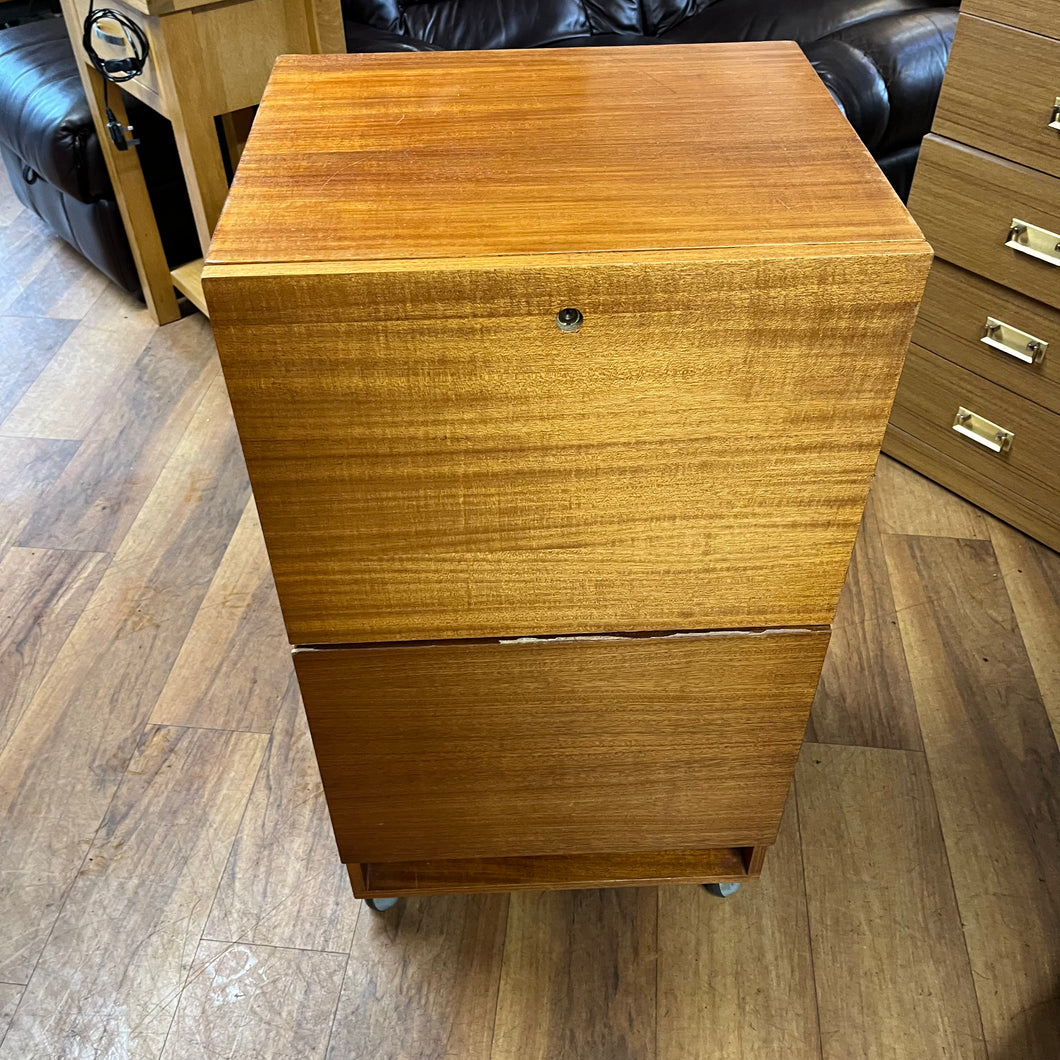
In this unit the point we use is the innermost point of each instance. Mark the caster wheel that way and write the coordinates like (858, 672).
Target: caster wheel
(722, 890)
(380, 904)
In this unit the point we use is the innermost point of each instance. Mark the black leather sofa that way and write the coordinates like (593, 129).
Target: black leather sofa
(53, 159)
(882, 60)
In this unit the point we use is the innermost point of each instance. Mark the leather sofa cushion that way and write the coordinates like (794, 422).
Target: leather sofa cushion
(44, 115)
(909, 51)
(749, 20)
(459, 25)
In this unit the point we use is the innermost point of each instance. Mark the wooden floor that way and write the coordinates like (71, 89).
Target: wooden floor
(169, 885)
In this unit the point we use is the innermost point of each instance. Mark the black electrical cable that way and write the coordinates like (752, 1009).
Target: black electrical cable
(116, 70)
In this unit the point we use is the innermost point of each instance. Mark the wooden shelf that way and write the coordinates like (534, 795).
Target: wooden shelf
(553, 872)
(188, 280)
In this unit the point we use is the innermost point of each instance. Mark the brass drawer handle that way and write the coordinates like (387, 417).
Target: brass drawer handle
(1038, 242)
(1055, 123)
(982, 431)
(1015, 343)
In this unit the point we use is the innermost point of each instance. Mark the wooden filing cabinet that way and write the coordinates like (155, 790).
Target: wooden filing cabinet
(560, 377)
(978, 406)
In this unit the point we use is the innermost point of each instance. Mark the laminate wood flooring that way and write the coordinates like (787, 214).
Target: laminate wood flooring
(169, 886)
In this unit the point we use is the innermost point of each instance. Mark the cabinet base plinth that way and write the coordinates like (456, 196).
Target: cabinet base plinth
(556, 872)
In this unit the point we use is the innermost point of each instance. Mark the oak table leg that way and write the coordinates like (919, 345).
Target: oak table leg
(134, 203)
(193, 122)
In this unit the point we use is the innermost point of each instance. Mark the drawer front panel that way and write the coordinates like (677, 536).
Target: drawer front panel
(954, 319)
(965, 202)
(562, 746)
(433, 457)
(1000, 93)
(931, 393)
(1038, 16)
(974, 485)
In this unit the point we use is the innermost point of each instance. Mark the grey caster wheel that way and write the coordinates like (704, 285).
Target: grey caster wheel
(722, 890)
(380, 904)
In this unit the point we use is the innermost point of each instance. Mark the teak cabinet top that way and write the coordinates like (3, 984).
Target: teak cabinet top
(477, 154)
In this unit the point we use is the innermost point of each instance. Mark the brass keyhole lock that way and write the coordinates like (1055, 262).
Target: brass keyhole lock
(569, 319)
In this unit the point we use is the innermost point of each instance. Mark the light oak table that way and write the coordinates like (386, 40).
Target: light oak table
(560, 377)
(207, 60)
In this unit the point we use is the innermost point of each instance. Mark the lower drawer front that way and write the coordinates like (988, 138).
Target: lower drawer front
(960, 310)
(965, 202)
(931, 392)
(558, 746)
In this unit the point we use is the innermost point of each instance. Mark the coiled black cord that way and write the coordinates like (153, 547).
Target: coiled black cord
(116, 70)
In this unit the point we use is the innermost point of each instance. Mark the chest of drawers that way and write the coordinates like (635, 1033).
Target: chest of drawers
(560, 378)
(978, 406)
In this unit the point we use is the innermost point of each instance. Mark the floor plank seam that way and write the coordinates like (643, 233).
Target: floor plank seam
(866, 747)
(207, 728)
(270, 946)
(238, 829)
(326, 1055)
(809, 926)
(953, 889)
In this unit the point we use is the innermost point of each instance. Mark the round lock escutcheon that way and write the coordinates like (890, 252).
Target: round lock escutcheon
(569, 319)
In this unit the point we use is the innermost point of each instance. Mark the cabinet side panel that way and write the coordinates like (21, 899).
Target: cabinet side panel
(433, 457)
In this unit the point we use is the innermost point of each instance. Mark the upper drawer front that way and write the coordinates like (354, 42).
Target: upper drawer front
(538, 747)
(1038, 16)
(432, 457)
(932, 393)
(966, 201)
(1000, 93)
(993, 331)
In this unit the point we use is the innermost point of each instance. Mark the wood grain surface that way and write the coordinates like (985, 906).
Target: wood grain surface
(283, 884)
(461, 154)
(710, 952)
(100, 492)
(67, 397)
(42, 595)
(447, 1008)
(29, 467)
(105, 679)
(999, 93)
(931, 392)
(989, 744)
(60, 285)
(585, 956)
(10, 994)
(864, 696)
(439, 460)
(965, 201)
(142, 892)
(905, 502)
(1038, 16)
(36, 340)
(232, 1006)
(558, 746)
(1032, 580)
(952, 321)
(234, 669)
(881, 877)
